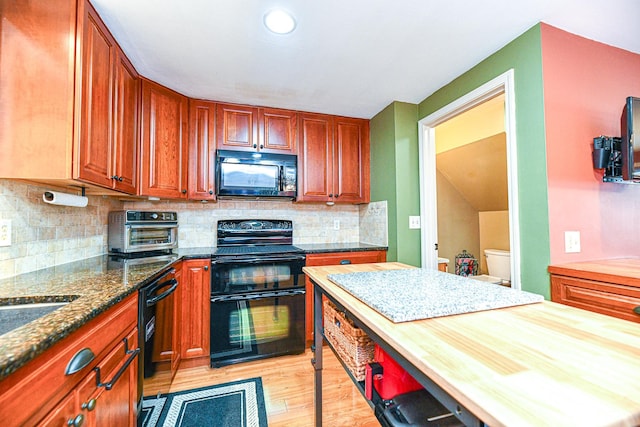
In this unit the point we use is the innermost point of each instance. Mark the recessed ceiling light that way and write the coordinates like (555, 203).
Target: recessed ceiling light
(279, 21)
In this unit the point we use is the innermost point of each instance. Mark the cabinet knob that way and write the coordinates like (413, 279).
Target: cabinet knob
(120, 179)
(115, 177)
(261, 146)
(77, 421)
(636, 310)
(255, 145)
(184, 191)
(336, 196)
(210, 191)
(330, 195)
(90, 405)
(206, 268)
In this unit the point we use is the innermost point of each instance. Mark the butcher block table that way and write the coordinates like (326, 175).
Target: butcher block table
(537, 364)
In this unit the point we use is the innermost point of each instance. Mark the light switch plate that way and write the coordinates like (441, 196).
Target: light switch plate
(571, 242)
(5, 232)
(414, 222)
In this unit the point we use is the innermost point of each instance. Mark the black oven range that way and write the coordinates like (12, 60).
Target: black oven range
(257, 292)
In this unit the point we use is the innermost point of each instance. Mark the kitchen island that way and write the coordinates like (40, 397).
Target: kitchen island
(528, 365)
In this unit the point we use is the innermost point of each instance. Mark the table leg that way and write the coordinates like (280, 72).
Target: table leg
(317, 353)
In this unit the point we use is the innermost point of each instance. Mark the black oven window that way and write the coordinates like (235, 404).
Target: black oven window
(259, 275)
(145, 236)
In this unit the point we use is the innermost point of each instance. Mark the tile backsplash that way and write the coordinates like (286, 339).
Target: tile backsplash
(44, 235)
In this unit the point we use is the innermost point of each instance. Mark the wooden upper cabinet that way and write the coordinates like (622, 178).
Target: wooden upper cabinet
(315, 158)
(333, 159)
(107, 146)
(277, 130)
(246, 128)
(164, 147)
(126, 126)
(98, 58)
(70, 109)
(351, 161)
(202, 150)
(237, 127)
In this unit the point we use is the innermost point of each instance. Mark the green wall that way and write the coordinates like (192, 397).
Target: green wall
(524, 55)
(395, 176)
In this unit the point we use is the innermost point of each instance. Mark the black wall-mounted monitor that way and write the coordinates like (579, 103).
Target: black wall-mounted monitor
(630, 126)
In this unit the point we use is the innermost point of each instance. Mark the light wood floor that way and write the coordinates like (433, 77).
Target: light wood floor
(288, 389)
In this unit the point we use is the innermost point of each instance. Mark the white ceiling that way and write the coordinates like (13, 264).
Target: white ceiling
(346, 57)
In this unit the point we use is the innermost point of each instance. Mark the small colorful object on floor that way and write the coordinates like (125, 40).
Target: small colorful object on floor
(466, 264)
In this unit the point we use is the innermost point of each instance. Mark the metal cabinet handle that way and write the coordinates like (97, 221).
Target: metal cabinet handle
(330, 195)
(90, 405)
(115, 177)
(184, 191)
(206, 268)
(210, 191)
(345, 261)
(636, 310)
(255, 145)
(118, 374)
(79, 361)
(77, 421)
(261, 146)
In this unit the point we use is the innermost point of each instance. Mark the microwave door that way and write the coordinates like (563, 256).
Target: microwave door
(239, 178)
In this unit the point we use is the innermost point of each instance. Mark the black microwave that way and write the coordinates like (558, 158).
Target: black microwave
(253, 174)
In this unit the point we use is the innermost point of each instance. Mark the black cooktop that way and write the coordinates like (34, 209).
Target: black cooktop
(257, 250)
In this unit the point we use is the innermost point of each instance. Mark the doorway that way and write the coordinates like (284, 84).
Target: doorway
(497, 89)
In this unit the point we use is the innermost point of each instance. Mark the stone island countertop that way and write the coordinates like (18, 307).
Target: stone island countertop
(419, 293)
(91, 286)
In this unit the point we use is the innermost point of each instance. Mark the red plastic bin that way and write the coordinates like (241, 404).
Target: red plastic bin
(393, 380)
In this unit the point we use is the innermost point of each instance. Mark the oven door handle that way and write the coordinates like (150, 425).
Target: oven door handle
(257, 295)
(257, 259)
(154, 300)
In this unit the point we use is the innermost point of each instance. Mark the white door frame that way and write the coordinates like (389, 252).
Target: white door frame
(427, 152)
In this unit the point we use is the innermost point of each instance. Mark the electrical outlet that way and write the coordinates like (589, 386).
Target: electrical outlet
(414, 222)
(571, 241)
(5, 232)
(336, 224)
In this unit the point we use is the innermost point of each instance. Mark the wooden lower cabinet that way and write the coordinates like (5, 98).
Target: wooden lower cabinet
(333, 258)
(196, 290)
(166, 347)
(41, 393)
(609, 287)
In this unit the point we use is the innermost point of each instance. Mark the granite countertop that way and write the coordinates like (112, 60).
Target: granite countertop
(418, 293)
(92, 286)
(313, 248)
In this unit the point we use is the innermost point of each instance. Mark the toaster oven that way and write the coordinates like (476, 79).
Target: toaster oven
(134, 232)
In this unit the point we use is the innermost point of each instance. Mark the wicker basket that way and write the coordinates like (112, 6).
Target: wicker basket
(351, 343)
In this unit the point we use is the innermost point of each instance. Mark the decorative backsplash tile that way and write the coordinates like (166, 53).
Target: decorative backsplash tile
(45, 235)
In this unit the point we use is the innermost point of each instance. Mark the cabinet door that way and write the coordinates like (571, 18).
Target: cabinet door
(237, 127)
(277, 131)
(94, 145)
(195, 308)
(166, 344)
(163, 154)
(334, 258)
(64, 414)
(315, 158)
(202, 150)
(351, 160)
(125, 126)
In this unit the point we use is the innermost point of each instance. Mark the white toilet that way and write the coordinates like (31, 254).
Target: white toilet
(499, 266)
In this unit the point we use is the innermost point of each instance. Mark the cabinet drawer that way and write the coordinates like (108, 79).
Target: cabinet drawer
(44, 380)
(336, 258)
(606, 298)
